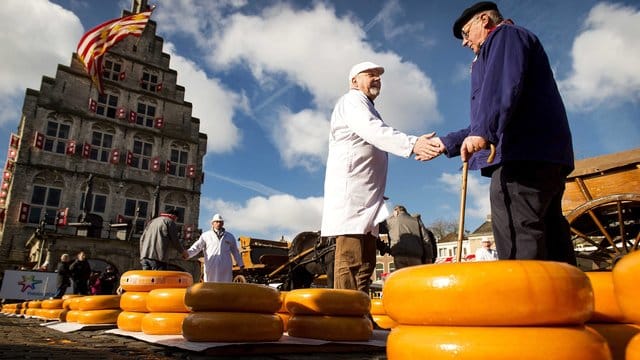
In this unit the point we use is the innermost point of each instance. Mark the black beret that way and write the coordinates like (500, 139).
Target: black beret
(468, 13)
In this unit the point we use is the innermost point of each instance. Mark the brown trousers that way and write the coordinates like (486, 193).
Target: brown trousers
(355, 261)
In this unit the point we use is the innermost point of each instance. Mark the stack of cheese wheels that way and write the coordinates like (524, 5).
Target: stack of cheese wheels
(283, 313)
(98, 309)
(52, 309)
(232, 312)
(491, 310)
(72, 305)
(379, 315)
(329, 314)
(608, 319)
(33, 308)
(166, 312)
(137, 285)
(625, 278)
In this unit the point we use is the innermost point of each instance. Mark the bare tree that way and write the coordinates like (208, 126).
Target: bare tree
(443, 227)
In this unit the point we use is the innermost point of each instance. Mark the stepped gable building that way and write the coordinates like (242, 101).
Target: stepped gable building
(86, 171)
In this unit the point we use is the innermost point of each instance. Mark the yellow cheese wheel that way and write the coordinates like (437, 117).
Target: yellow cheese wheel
(99, 302)
(52, 314)
(31, 312)
(625, 281)
(104, 316)
(384, 321)
(335, 302)
(63, 315)
(377, 307)
(633, 349)
(283, 306)
(52, 304)
(166, 300)
(72, 315)
(130, 321)
(70, 296)
(35, 304)
(74, 303)
(147, 280)
(285, 319)
(232, 327)
(489, 293)
(407, 342)
(605, 303)
(616, 335)
(65, 304)
(134, 301)
(232, 297)
(162, 323)
(332, 328)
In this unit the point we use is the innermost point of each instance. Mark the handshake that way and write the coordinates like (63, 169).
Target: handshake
(428, 147)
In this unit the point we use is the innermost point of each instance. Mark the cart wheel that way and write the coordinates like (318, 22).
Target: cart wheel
(239, 279)
(605, 229)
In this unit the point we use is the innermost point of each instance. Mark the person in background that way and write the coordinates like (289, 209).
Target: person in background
(156, 238)
(411, 241)
(515, 106)
(486, 253)
(63, 280)
(95, 285)
(217, 245)
(80, 273)
(356, 175)
(108, 281)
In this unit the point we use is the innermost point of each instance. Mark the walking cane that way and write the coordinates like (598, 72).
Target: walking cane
(463, 200)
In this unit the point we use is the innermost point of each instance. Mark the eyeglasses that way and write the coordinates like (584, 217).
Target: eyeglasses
(465, 33)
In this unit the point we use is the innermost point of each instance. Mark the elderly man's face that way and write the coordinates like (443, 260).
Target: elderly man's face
(217, 224)
(368, 82)
(474, 32)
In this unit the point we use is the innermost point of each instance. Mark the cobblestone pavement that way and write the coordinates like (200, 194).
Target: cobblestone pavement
(26, 339)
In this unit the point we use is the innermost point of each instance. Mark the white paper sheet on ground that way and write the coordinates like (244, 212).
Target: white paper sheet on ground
(73, 326)
(379, 339)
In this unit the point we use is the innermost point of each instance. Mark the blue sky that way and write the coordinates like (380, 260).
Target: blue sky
(263, 77)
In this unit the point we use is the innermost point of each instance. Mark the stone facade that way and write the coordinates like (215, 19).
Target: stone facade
(139, 142)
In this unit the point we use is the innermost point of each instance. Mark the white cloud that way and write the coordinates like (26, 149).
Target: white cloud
(477, 200)
(605, 59)
(308, 58)
(266, 217)
(302, 138)
(32, 45)
(213, 103)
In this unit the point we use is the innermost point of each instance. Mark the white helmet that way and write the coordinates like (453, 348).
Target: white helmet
(217, 217)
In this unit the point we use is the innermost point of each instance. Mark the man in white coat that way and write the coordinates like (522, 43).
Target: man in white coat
(217, 245)
(356, 176)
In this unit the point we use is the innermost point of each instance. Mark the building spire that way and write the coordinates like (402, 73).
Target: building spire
(138, 6)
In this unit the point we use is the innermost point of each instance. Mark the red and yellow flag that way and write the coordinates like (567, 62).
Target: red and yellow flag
(97, 41)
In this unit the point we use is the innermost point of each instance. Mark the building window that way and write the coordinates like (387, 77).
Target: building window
(180, 212)
(111, 70)
(107, 105)
(379, 271)
(45, 202)
(101, 146)
(178, 163)
(57, 136)
(141, 157)
(98, 203)
(146, 115)
(136, 209)
(149, 82)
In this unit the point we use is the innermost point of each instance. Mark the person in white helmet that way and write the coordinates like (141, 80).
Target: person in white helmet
(217, 245)
(356, 175)
(486, 253)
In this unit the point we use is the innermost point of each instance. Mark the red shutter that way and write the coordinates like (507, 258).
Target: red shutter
(86, 150)
(38, 141)
(132, 116)
(93, 105)
(191, 171)
(121, 113)
(129, 157)
(2, 215)
(159, 87)
(12, 154)
(122, 76)
(24, 212)
(9, 165)
(71, 147)
(115, 156)
(5, 185)
(15, 141)
(61, 217)
(120, 219)
(159, 123)
(7, 175)
(167, 168)
(3, 193)
(155, 164)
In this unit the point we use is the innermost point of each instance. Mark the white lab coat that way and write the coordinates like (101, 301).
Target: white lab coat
(356, 174)
(483, 254)
(217, 255)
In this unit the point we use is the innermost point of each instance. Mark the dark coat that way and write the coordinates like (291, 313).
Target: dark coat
(80, 270)
(64, 274)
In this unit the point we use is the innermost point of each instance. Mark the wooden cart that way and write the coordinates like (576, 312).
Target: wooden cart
(602, 204)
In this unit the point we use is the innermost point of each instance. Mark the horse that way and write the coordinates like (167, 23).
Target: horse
(310, 256)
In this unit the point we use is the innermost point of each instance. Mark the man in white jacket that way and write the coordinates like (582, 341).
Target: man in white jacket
(356, 176)
(217, 246)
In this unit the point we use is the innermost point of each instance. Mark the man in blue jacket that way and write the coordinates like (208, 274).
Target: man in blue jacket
(516, 106)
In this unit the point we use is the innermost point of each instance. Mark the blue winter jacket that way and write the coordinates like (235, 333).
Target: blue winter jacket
(515, 104)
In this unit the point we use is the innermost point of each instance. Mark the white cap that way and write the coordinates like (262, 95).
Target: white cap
(485, 240)
(217, 217)
(363, 66)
